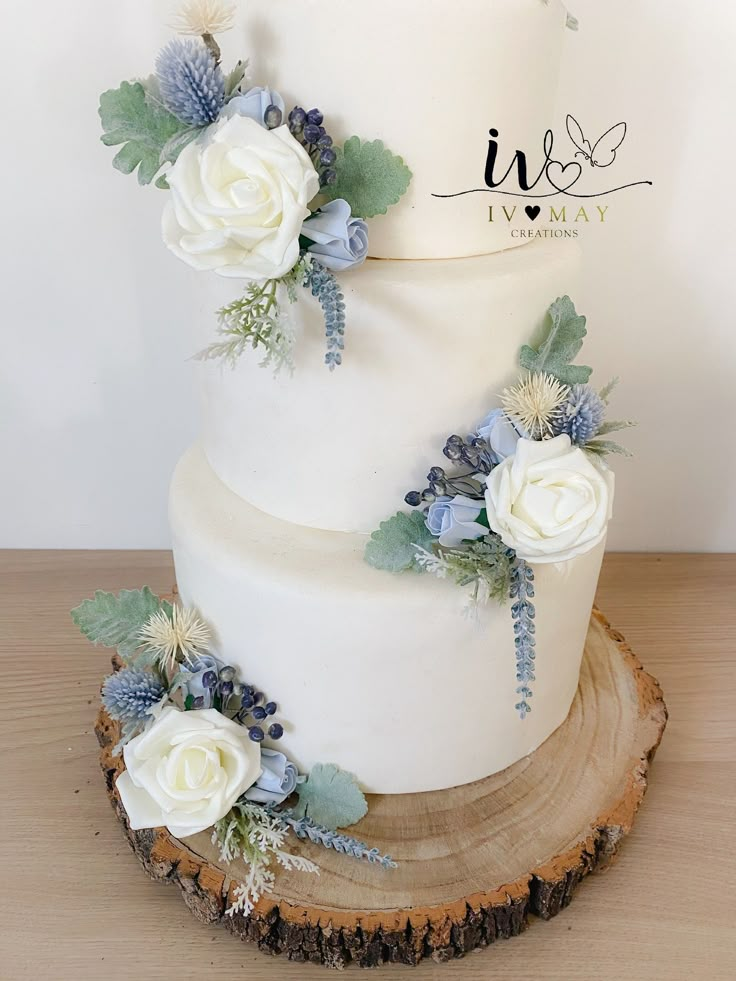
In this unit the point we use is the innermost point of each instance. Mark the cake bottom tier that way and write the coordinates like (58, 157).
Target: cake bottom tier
(386, 676)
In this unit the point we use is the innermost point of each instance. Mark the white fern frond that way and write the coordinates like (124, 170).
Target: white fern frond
(296, 862)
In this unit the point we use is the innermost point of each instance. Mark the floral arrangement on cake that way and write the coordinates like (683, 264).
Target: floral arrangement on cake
(528, 486)
(255, 193)
(193, 739)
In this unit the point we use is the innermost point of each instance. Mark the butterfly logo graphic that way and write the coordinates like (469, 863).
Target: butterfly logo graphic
(603, 151)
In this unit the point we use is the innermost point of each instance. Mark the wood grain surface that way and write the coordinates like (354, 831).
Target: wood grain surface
(75, 905)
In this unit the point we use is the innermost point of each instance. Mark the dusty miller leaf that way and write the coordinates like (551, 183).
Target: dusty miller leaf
(369, 177)
(560, 346)
(143, 126)
(330, 797)
(116, 621)
(394, 546)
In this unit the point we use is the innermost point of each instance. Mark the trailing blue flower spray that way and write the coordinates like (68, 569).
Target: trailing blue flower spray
(482, 521)
(305, 828)
(325, 287)
(523, 614)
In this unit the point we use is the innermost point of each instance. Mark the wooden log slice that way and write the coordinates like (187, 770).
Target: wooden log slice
(474, 861)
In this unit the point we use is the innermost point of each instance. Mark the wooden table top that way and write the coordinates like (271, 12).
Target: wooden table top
(76, 905)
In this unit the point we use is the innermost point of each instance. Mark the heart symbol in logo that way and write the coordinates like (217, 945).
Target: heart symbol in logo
(563, 177)
(533, 212)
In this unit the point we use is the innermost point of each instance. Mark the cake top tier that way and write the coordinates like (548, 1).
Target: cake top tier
(430, 78)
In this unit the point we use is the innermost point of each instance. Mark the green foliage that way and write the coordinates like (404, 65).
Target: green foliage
(255, 320)
(605, 392)
(395, 545)
(257, 836)
(602, 447)
(560, 345)
(143, 127)
(369, 177)
(116, 621)
(170, 152)
(486, 565)
(234, 78)
(614, 426)
(330, 797)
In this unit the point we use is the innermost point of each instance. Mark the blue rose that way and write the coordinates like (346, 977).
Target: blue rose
(453, 519)
(500, 434)
(254, 104)
(278, 780)
(195, 670)
(339, 241)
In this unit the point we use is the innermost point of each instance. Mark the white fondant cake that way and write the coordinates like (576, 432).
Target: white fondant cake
(429, 78)
(431, 344)
(385, 677)
(380, 674)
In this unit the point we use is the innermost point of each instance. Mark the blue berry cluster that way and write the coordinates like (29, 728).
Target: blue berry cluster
(191, 82)
(325, 287)
(251, 704)
(581, 415)
(129, 694)
(473, 452)
(306, 126)
(523, 614)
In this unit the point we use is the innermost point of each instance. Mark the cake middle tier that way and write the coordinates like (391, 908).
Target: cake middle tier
(429, 346)
(385, 675)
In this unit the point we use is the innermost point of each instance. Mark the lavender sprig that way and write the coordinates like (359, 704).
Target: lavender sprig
(325, 287)
(305, 828)
(523, 613)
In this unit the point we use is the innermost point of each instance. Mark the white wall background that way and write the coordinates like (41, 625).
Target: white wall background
(97, 396)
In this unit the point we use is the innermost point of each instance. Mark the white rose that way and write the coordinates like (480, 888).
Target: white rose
(549, 501)
(238, 200)
(187, 770)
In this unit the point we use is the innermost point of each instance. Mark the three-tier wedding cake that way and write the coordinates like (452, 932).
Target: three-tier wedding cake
(387, 676)
(395, 516)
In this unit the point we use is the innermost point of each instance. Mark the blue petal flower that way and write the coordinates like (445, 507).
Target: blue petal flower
(277, 781)
(453, 520)
(337, 239)
(254, 103)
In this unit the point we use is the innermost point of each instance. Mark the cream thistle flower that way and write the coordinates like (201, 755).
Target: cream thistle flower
(535, 403)
(171, 640)
(204, 17)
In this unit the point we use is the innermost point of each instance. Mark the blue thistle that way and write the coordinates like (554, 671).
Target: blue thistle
(523, 613)
(129, 695)
(581, 415)
(326, 289)
(191, 82)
